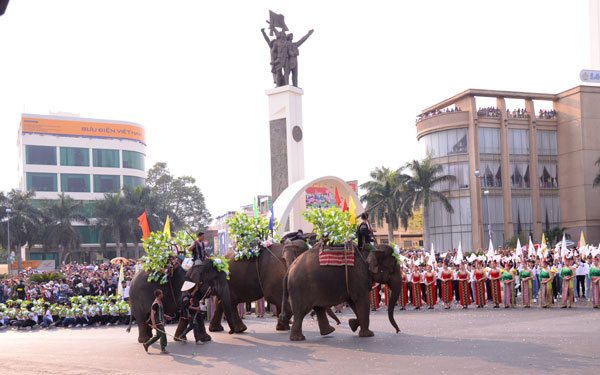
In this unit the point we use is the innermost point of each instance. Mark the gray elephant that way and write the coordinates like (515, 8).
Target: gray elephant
(141, 295)
(310, 285)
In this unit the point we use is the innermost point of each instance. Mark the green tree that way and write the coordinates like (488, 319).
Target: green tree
(421, 187)
(179, 196)
(597, 178)
(555, 235)
(137, 201)
(113, 221)
(25, 220)
(58, 225)
(384, 196)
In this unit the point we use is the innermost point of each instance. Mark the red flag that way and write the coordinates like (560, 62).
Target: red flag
(345, 208)
(144, 225)
(337, 198)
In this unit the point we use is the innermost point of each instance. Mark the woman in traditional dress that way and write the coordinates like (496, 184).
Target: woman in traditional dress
(416, 288)
(430, 279)
(260, 307)
(374, 297)
(526, 276)
(494, 277)
(463, 286)
(594, 277)
(508, 280)
(446, 276)
(546, 278)
(479, 275)
(403, 298)
(568, 274)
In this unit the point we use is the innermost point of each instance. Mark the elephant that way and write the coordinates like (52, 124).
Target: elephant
(204, 274)
(309, 285)
(252, 279)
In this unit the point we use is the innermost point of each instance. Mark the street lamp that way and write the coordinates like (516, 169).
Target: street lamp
(486, 193)
(8, 211)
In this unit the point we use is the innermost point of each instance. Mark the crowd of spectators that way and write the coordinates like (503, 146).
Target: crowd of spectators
(488, 112)
(547, 114)
(438, 112)
(517, 113)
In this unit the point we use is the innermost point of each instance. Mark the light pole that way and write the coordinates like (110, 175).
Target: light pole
(8, 211)
(486, 193)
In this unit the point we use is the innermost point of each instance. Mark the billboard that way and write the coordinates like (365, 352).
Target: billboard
(82, 128)
(318, 196)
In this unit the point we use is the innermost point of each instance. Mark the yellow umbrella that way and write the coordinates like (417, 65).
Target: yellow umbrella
(120, 260)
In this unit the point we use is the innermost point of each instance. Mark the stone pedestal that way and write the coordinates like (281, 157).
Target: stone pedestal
(287, 144)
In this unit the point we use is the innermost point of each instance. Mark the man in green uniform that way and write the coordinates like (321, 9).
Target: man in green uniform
(157, 316)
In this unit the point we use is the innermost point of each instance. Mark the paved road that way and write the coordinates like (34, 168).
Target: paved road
(535, 341)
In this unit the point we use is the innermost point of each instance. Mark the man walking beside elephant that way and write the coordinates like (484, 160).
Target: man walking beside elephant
(157, 317)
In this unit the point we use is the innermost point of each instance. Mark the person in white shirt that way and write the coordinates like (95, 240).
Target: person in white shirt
(582, 270)
(47, 319)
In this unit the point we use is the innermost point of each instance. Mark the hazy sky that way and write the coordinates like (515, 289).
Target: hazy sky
(194, 73)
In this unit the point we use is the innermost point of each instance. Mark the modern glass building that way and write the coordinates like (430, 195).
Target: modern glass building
(517, 169)
(83, 158)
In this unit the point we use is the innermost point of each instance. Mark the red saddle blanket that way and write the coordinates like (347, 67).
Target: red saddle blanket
(336, 257)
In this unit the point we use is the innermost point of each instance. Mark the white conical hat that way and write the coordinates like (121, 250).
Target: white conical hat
(187, 286)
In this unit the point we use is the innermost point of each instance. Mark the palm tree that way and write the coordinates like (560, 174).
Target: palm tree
(421, 190)
(136, 201)
(25, 220)
(59, 230)
(112, 217)
(384, 197)
(597, 178)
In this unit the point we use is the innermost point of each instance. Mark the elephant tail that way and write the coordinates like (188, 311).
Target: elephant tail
(130, 323)
(282, 314)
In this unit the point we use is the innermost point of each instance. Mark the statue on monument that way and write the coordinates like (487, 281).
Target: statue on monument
(284, 51)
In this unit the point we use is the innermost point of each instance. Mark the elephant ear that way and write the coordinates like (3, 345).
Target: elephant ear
(382, 261)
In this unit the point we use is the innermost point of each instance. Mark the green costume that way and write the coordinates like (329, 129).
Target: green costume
(160, 328)
(566, 272)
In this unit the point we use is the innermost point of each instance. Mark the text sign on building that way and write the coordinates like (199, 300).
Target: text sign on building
(590, 76)
(81, 128)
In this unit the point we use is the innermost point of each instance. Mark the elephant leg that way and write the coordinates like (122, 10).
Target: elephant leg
(201, 329)
(215, 322)
(353, 323)
(144, 331)
(238, 325)
(324, 327)
(333, 316)
(362, 313)
(181, 326)
(296, 331)
(283, 319)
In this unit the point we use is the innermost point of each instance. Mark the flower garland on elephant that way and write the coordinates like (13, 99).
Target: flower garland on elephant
(251, 233)
(159, 250)
(332, 226)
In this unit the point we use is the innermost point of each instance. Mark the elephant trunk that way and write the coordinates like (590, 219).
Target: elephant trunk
(222, 291)
(396, 290)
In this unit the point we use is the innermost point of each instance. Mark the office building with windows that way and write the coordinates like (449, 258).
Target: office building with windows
(83, 158)
(523, 167)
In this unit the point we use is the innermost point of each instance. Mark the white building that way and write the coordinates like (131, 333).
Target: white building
(83, 158)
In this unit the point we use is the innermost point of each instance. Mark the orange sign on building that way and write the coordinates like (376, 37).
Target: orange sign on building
(82, 128)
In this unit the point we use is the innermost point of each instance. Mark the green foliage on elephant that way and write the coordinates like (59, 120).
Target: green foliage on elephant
(396, 252)
(249, 233)
(221, 264)
(331, 224)
(158, 248)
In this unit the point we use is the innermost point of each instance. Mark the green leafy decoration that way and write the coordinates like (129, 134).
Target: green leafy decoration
(250, 233)
(158, 248)
(331, 225)
(221, 264)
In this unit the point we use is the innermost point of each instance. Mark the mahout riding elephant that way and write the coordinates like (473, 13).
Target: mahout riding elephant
(252, 279)
(309, 285)
(204, 274)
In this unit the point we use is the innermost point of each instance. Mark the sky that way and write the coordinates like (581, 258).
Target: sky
(194, 73)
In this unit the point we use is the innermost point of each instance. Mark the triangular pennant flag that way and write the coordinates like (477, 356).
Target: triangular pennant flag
(459, 254)
(352, 211)
(167, 229)
(563, 247)
(121, 278)
(345, 208)
(544, 246)
(144, 225)
(338, 201)
(431, 261)
(490, 252)
(518, 249)
(531, 249)
(271, 219)
(582, 240)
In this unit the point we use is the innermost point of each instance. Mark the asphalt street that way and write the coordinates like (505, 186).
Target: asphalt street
(535, 341)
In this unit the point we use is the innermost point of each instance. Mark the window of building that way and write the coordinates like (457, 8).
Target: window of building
(75, 183)
(88, 234)
(519, 175)
(546, 142)
(75, 156)
(448, 230)
(106, 158)
(521, 214)
(550, 211)
(461, 172)
(518, 141)
(132, 159)
(133, 181)
(444, 143)
(489, 140)
(44, 155)
(492, 207)
(459, 144)
(42, 181)
(548, 176)
(106, 183)
(492, 174)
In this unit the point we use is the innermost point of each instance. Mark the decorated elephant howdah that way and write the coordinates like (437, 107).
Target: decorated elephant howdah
(309, 285)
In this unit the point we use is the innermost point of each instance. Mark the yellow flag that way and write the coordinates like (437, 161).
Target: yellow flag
(582, 240)
(352, 210)
(167, 229)
(544, 246)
